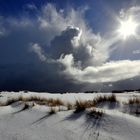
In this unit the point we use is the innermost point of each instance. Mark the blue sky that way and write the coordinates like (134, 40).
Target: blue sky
(71, 45)
(99, 10)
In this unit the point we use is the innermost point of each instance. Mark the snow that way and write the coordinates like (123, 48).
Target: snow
(35, 123)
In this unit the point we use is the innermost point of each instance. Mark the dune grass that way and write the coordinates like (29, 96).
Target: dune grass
(131, 106)
(69, 106)
(35, 99)
(95, 113)
(80, 106)
(52, 111)
(134, 100)
(106, 98)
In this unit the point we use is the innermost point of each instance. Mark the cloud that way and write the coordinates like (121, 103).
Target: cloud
(108, 72)
(31, 6)
(2, 33)
(38, 50)
(74, 57)
(133, 12)
(136, 52)
(87, 52)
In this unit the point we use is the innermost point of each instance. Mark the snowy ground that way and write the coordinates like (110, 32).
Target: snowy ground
(36, 124)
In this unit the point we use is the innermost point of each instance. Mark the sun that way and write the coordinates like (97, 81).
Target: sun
(127, 28)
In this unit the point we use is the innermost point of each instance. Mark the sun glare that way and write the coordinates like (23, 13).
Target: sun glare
(127, 28)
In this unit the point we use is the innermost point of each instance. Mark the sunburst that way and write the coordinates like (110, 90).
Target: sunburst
(127, 28)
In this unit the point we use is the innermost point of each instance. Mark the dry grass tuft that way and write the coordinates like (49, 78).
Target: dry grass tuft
(30, 98)
(81, 106)
(50, 102)
(52, 111)
(54, 102)
(134, 100)
(112, 98)
(8, 102)
(133, 106)
(100, 99)
(69, 106)
(96, 113)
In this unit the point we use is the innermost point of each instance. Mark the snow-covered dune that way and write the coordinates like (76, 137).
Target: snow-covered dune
(35, 123)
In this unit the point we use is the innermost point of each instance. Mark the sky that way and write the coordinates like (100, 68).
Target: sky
(69, 46)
